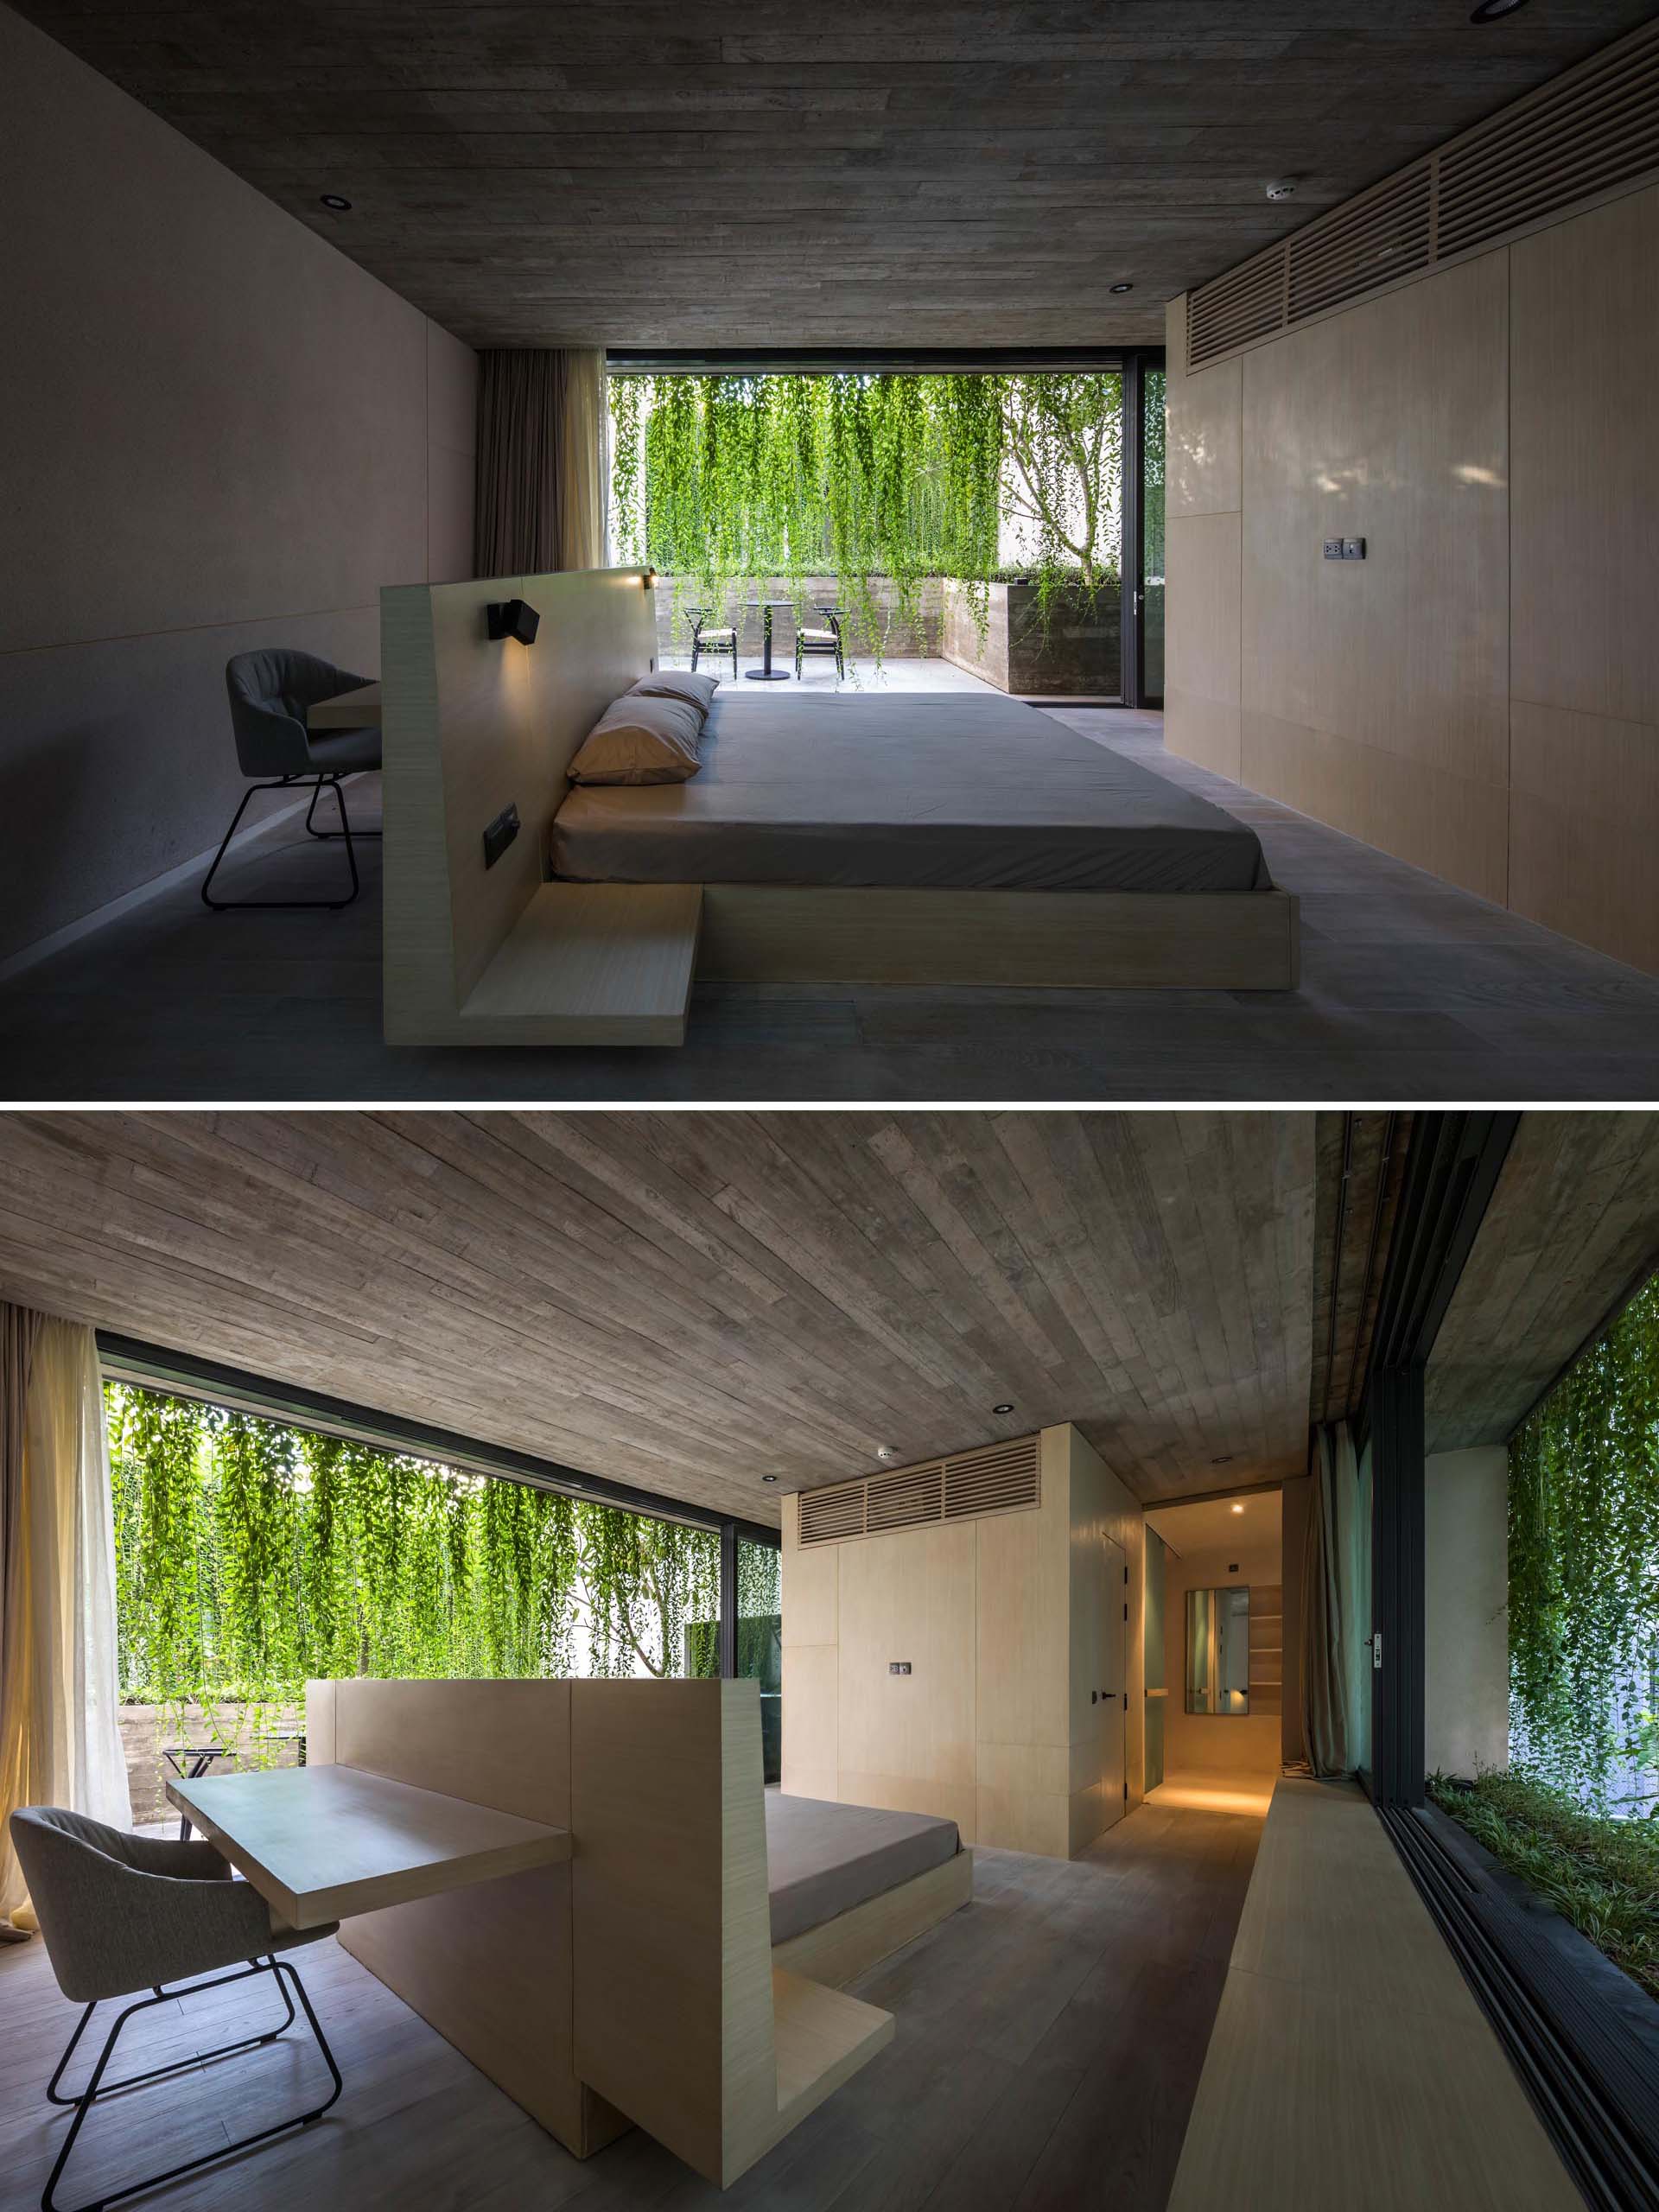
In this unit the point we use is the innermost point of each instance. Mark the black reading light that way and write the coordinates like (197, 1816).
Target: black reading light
(650, 580)
(513, 618)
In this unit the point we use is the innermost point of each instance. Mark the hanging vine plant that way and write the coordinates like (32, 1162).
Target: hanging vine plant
(1063, 478)
(727, 480)
(250, 1556)
(1584, 1569)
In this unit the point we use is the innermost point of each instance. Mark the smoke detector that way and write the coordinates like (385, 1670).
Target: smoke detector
(883, 1451)
(1282, 188)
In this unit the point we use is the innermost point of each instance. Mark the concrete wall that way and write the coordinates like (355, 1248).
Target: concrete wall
(1480, 695)
(216, 433)
(1466, 1626)
(1240, 1743)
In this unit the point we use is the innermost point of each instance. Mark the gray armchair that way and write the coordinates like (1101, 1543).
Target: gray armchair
(269, 692)
(120, 1913)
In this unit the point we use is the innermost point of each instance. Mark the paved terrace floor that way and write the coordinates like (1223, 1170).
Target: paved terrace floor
(1412, 991)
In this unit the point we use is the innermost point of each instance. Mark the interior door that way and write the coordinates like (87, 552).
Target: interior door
(1113, 1680)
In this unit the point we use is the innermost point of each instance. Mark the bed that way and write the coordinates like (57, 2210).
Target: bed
(847, 1884)
(914, 838)
(924, 790)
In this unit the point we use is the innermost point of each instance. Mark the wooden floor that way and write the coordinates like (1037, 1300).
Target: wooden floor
(1411, 991)
(1049, 2041)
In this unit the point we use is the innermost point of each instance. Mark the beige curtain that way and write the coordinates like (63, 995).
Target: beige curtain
(1324, 1658)
(541, 462)
(60, 1732)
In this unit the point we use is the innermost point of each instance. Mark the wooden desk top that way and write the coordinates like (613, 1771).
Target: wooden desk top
(346, 710)
(322, 1842)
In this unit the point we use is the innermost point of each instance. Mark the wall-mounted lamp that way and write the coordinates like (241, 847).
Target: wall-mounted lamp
(649, 580)
(513, 618)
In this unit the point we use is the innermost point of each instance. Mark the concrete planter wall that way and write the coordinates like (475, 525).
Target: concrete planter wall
(900, 639)
(1080, 655)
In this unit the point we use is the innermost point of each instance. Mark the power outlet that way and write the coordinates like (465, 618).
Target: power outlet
(897, 1666)
(1333, 549)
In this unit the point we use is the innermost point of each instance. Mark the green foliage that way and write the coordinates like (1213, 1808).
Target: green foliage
(1602, 1874)
(249, 1555)
(1584, 1563)
(727, 480)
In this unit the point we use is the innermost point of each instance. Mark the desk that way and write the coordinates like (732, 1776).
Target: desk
(199, 1757)
(358, 709)
(322, 1842)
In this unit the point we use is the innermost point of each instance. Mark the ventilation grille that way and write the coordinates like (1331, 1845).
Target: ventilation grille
(1245, 304)
(997, 1478)
(1588, 132)
(828, 1516)
(1367, 243)
(1595, 128)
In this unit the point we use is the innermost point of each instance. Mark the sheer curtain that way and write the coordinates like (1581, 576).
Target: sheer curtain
(1326, 1705)
(60, 1732)
(541, 462)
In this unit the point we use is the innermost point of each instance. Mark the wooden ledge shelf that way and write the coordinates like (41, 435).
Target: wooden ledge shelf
(591, 963)
(822, 2037)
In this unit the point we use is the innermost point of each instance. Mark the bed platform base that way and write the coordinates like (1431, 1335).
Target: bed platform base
(482, 952)
(841, 1949)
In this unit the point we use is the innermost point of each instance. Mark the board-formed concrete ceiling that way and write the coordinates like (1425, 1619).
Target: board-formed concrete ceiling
(1572, 1225)
(689, 1301)
(673, 174)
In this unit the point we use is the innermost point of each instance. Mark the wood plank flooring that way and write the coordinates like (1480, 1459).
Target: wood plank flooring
(1049, 2042)
(1411, 990)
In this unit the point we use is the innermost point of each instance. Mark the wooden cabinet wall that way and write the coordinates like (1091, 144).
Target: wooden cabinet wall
(1479, 695)
(1011, 1625)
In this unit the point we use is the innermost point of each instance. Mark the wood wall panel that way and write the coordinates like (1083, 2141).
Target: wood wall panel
(1203, 563)
(1008, 1623)
(1584, 818)
(1443, 823)
(1480, 696)
(909, 1598)
(1388, 422)
(1203, 472)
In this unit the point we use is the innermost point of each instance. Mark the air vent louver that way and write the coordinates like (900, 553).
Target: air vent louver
(1594, 128)
(1370, 241)
(1588, 132)
(1246, 303)
(996, 1478)
(828, 1516)
(901, 1500)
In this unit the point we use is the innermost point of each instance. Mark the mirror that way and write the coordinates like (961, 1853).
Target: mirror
(1218, 1651)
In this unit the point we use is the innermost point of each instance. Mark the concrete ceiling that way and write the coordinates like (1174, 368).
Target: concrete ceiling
(906, 175)
(691, 1302)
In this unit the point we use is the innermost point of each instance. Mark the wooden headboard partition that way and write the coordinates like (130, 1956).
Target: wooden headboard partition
(470, 725)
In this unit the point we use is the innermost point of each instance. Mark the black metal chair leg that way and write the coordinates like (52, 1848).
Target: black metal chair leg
(177, 2065)
(95, 2089)
(333, 836)
(270, 906)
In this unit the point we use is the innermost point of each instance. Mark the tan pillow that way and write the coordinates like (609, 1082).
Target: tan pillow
(641, 741)
(678, 683)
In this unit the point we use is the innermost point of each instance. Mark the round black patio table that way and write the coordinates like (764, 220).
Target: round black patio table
(767, 673)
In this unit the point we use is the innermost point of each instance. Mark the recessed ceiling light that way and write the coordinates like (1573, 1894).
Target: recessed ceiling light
(1225, 1460)
(1490, 10)
(340, 206)
(1282, 188)
(768, 1478)
(1238, 1508)
(1007, 1407)
(1121, 288)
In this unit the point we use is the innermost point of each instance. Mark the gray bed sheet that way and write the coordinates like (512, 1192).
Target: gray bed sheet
(918, 789)
(823, 1859)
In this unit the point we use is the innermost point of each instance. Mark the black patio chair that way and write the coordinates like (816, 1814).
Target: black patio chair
(809, 639)
(711, 637)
